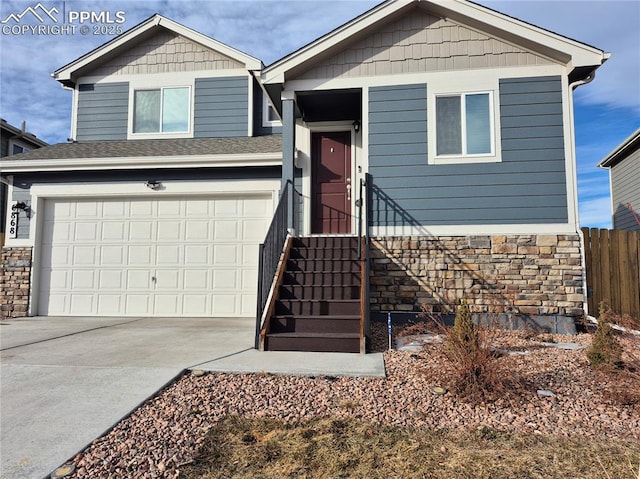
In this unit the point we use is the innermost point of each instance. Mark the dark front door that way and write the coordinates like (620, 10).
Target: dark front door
(331, 182)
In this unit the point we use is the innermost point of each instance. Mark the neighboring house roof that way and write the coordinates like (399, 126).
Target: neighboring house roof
(183, 152)
(584, 58)
(21, 134)
(622, 151)
(68, 74)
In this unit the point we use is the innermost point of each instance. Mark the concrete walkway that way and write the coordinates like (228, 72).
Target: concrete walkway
(65, 381)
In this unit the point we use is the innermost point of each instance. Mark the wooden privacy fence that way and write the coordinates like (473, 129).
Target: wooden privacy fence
(613, 270)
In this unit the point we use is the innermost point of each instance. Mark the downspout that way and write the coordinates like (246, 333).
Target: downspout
(572, 87)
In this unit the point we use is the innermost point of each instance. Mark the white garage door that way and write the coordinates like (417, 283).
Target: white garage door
(163, 257)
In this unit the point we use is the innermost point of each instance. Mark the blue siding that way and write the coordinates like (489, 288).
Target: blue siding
(528, 186)
(102, 111)
(258, 128)
(221, 107)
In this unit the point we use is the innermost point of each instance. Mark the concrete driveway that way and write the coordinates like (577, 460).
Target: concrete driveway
(65, 381)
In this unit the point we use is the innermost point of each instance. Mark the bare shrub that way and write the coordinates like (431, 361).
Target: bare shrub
(605, 351)
(477, 372)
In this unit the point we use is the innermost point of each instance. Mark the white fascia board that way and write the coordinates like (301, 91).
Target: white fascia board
(130, 163)
(66, 73)
(620, 150)
(276, 72)
(581, 54)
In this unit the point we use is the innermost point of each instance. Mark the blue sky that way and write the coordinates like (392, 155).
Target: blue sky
(606, 111)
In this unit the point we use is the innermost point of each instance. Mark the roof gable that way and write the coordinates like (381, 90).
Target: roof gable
(515, 32)
(419, 42)
(166, 51)
(143, 38)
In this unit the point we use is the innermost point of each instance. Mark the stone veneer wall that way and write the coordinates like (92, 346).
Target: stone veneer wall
(533, 275)
(15, 275)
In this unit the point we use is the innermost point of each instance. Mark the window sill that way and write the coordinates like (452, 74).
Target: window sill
(461, 160)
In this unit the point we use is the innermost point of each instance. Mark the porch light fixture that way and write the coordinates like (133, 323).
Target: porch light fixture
(20, 205)
(153, 185)
(356, 126)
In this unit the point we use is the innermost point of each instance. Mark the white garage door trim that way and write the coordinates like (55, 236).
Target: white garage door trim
(177, 193)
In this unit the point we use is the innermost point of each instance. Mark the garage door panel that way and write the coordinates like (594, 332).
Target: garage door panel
(226, 208)
(225, 304)
(169, 230)
(225, 279)
(140, 209)
(140, 255)
(197, 230)
(111, 279)
(226, 230)
(197, 255)
(114, 209)
(225, 254)
(140, 231)
(82, 304)
(99, 256)
(114, 231)
(85, 255)
(195, 305)
(87, 209)
(109, 303)
(249, 255)
(83, 280)
(86, 231)
(137, 304)
(197, 280)
(167, 304)
(167, 255)
(112, 255)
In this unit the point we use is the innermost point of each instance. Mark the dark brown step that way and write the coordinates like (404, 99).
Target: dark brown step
(324, 253)
(322, 277)
(311, 265)
(315, 324)
(318, 307)
(332, 291)
(320, 342)
(327, 242)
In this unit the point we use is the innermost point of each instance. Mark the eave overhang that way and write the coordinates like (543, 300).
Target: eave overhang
(151, 162)
(622, 151)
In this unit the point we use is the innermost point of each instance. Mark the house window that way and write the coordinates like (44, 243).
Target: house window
(464, 125)
(161, 110)
(17, 149)
(269, 116)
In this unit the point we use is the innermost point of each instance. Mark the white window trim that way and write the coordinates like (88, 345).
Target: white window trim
(266, 104)
(133, 87)
(440, 89)
(16, 142)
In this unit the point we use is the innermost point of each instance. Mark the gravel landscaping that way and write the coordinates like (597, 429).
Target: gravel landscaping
(168, 430)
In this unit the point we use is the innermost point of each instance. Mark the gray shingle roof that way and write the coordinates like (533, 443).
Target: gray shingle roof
(156, 148)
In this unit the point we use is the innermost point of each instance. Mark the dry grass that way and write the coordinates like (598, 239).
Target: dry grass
(330, 448)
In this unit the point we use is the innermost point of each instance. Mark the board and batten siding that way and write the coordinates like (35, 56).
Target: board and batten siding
(527, 187)
(221, 107)
(102, 111)
(625, 190)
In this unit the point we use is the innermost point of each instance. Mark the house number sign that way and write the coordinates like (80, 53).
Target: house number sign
(13, 221)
